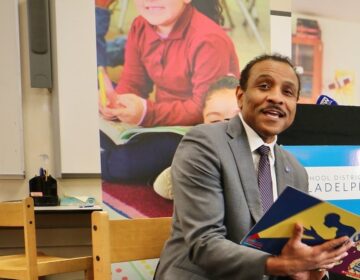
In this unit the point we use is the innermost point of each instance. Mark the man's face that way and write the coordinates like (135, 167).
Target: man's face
(268, 105)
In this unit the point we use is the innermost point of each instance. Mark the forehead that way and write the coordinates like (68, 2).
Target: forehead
(278, 70)
(223, 93)
(221, 97)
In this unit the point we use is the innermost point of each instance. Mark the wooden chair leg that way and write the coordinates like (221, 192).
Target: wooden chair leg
(89, 274)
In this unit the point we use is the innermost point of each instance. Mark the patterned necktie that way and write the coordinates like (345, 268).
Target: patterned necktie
(264, 178)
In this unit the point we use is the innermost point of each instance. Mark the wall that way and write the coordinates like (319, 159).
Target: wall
(340, 53)
(39, 138)
(39, 143)
(38, 125)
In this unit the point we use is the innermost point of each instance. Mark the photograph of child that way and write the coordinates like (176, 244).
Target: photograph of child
(161, 64)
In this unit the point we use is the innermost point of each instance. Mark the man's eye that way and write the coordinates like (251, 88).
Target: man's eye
(264, 86)
(289, 92)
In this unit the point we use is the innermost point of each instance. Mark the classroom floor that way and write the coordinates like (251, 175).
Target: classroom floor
(135, 201)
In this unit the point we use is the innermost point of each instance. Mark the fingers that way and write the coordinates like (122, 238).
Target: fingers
(337, 243)
(332, 261)
(112, 102)
(337, 249)
(333, 251)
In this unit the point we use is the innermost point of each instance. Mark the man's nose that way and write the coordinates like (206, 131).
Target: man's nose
(275, 95)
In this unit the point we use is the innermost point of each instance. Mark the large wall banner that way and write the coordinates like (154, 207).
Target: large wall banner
(164, 66)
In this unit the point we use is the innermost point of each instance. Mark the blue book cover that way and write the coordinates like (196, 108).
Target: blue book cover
(321, 220)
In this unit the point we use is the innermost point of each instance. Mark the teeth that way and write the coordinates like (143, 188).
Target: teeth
(273, 113)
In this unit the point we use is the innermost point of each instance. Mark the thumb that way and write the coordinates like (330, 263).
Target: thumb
(297, 233)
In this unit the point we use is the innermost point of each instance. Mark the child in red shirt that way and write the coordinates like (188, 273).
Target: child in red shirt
(176, 51)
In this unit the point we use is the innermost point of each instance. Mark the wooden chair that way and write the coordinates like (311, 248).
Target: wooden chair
(125, 240)
(30, 265)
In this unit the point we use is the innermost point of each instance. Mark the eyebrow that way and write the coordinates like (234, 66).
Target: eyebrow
(267, 76)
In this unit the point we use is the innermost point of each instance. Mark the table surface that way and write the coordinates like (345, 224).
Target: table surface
(64, 208)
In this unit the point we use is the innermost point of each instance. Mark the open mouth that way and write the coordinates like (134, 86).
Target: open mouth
(274, 112)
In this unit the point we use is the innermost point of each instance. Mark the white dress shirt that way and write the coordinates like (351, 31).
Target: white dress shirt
(255, 142)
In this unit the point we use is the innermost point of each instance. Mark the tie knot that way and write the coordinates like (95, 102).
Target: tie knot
(263, 150)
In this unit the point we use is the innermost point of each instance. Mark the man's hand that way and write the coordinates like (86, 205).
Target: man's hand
(303, 262)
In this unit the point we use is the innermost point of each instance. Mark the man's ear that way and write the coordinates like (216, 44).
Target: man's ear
(239, 96)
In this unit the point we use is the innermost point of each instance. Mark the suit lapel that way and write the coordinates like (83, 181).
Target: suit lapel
(284, 171)
(241, 151)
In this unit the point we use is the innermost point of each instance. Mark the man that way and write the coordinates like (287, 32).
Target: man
(216, 195)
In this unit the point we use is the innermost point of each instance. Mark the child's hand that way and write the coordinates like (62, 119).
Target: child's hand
(104, 103)
(107, 109)
(129, 108)
(107, 113)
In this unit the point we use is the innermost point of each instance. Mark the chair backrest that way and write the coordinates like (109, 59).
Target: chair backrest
(21, 214)
(125, 240)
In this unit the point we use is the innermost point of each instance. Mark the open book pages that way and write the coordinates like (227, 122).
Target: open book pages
(120, 133)
(321, 220)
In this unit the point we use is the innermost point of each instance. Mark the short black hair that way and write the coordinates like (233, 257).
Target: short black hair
(245, 73)
(224, 82)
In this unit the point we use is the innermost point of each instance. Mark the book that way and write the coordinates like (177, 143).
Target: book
(321, 220)
(121, 133)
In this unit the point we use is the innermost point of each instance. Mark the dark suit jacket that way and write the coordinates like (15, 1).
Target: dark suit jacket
(216, 202)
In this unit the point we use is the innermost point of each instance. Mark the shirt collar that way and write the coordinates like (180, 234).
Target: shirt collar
(255, 140)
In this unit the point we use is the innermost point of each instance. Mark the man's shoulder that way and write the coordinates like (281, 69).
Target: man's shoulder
(207, 133)
(211, 128)
(231, 128)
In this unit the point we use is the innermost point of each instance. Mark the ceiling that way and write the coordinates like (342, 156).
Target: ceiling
(346, 10)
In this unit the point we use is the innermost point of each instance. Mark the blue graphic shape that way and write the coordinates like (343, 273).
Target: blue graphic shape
(322, 156)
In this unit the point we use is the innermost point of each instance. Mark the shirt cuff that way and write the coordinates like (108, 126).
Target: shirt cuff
(144, 111)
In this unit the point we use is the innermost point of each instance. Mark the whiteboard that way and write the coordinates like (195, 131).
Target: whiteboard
(11, 125)
(74, 95)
